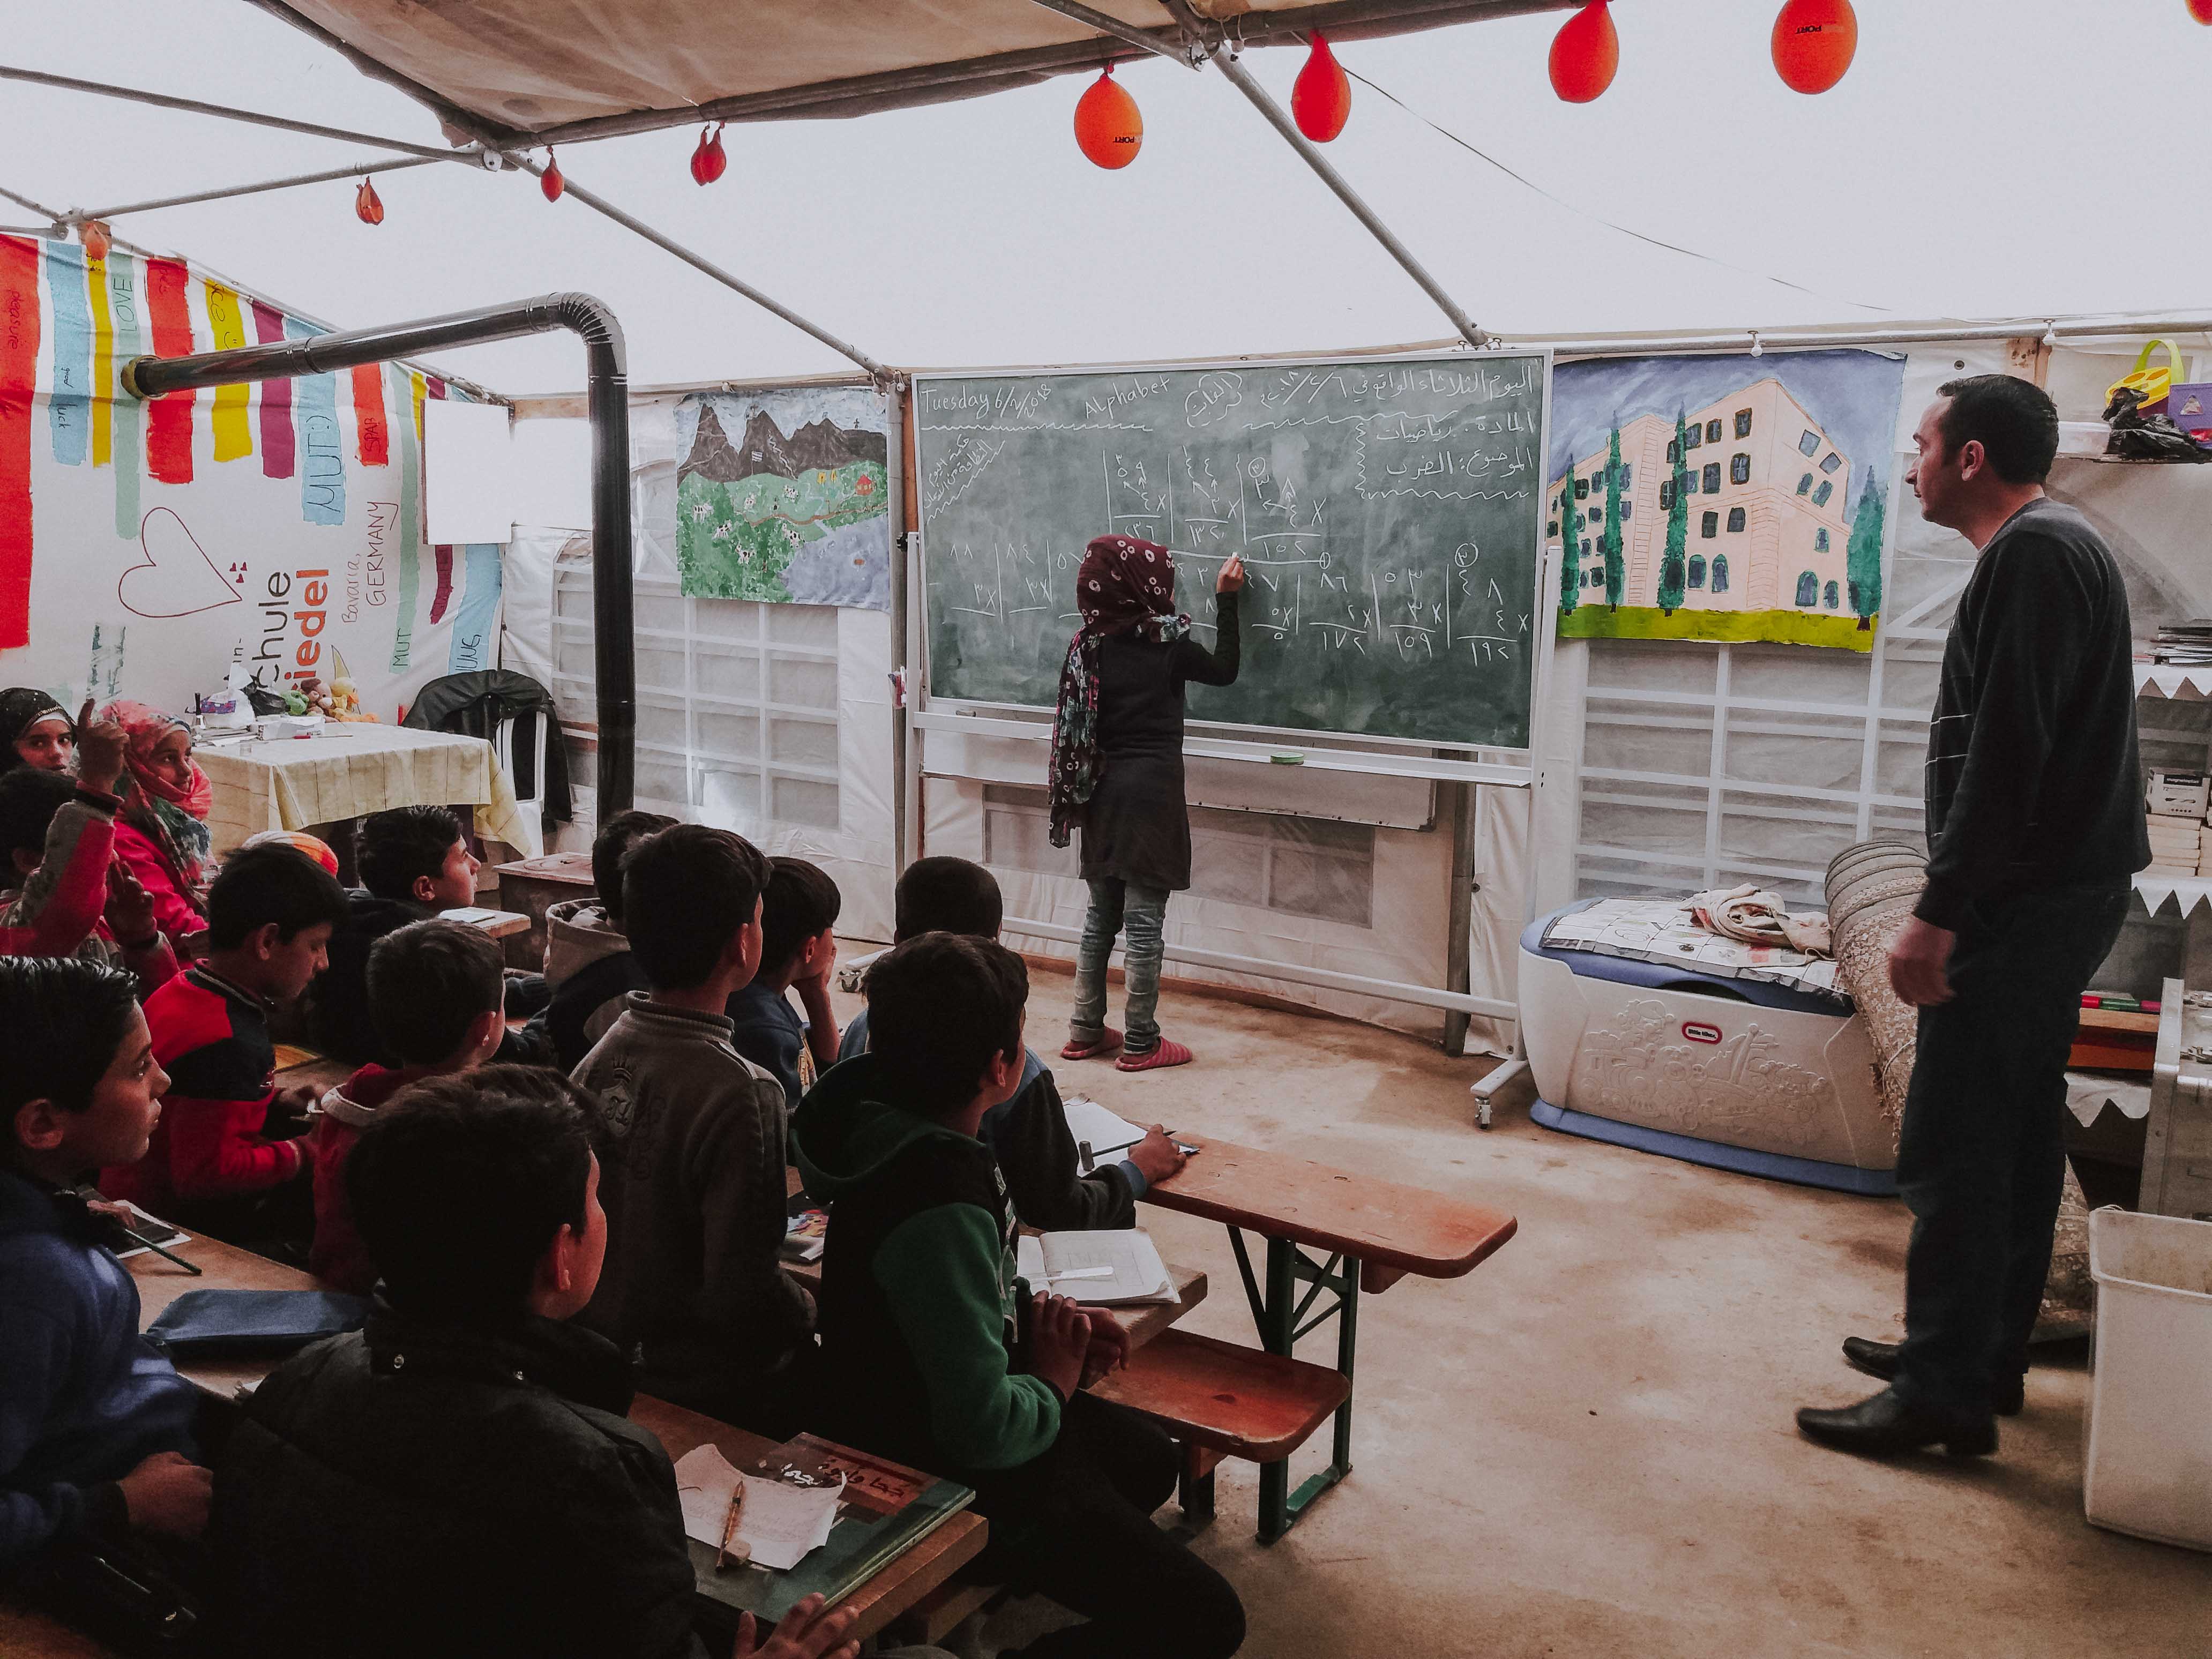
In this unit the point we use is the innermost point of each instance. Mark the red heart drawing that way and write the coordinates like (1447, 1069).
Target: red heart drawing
(176, 578)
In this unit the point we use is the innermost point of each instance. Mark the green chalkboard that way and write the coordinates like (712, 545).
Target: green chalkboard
(1389, 515)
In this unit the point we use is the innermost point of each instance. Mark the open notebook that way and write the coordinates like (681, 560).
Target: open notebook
(1107, 1269)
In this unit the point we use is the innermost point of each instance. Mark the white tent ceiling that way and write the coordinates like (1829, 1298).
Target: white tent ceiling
(1984, 157)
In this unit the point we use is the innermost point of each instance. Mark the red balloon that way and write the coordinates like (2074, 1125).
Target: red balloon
(708, 161)
(1321, 100)
(1107, 127)
(1814, 41)
(367, 205)
(1585, 53)
(550, 180)
(2201, 10)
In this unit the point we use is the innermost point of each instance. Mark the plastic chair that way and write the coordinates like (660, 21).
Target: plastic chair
(529, 783)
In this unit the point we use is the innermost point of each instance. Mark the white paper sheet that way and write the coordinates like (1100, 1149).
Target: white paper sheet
(779, 1522)
(1088, 1121)
(1135, 1272)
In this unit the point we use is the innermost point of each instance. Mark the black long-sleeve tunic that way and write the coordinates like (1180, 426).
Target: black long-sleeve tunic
(1137, 825)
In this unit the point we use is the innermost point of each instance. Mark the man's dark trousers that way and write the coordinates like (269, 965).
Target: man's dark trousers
(1981, 1161)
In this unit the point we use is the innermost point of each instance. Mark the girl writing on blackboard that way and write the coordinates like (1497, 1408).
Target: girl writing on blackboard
(1117, 769)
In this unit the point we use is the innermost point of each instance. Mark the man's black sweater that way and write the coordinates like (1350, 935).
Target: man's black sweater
(2032, 781)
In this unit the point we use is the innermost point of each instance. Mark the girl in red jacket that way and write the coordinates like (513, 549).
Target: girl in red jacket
(161, 835)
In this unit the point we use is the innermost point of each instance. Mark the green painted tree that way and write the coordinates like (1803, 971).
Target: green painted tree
(1616, 567)
(1862, 563)
(1570, 562)
(1672, 564)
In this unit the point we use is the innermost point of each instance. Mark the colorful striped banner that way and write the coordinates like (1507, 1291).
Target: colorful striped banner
(128, 313)
(276, 446)
(411, 394)
(68, 403)
(322, 453)
(169, 419)
(472, 642)
(372, 436)
(232, 427)
(18, 385)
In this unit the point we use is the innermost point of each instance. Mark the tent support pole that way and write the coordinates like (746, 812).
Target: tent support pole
(1459, 945)
(1226, 63)
(614, 641)
(1129, 33)
(669, 244)
(222, 111)
(360, 169)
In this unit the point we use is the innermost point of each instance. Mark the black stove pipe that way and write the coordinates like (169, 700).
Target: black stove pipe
(607, 401)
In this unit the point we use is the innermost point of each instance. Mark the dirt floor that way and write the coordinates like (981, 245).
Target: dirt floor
(1585, 1447)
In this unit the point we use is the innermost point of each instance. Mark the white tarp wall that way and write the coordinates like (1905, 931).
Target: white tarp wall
(773, 720)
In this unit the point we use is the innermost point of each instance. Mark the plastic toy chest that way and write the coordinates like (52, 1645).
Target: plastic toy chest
(1763, 1078)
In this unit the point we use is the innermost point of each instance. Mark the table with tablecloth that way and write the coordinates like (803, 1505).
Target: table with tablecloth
(348, 769)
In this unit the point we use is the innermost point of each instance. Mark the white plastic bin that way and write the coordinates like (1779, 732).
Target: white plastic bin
(2149, 1466)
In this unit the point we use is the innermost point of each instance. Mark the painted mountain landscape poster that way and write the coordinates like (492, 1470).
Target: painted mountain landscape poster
(781, 497)
(1722, 498)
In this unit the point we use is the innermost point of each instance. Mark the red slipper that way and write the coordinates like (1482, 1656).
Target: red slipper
(1168, 1054)
(1105, 1044)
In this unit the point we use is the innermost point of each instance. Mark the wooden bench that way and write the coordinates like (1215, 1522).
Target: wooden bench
(1221, 1400)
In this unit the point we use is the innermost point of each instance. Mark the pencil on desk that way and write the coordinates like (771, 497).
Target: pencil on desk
(191, 1267)
(730, 1524)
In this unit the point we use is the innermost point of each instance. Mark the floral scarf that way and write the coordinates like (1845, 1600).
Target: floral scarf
(173, 819)
(1123, 587)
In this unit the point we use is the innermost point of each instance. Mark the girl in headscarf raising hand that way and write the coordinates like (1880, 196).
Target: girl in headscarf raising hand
(1117, 770)
(162, 836)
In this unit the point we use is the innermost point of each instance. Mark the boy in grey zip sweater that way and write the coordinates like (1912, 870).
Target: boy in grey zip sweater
(692, 1150)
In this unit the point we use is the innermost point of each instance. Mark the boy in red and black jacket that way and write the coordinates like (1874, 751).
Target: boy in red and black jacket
(436, 991)
(225, 1159)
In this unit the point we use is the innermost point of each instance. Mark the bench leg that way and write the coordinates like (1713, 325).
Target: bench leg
(1277, 1311)
(1194, 1488)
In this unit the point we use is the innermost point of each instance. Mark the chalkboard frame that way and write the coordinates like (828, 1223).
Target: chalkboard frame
(1442, 759)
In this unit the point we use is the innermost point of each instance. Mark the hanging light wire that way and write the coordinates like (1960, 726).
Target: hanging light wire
(1672, 247)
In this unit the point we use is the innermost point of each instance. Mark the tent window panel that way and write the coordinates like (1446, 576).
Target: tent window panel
(814, 625)
(660, 670)
(804, 800)
(801, 682)
(803, 743)
(659, 727)
(661, 612)
(1625, 744)
(661, 783)
(725, 674)
(732, 737)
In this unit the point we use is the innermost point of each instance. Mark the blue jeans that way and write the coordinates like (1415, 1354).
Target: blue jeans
(1143, 911)
(1981, 1159)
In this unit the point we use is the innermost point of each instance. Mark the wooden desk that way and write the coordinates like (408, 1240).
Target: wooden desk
(225, 1266)
(891, 1592)
(531, 886)
(1375, 1232)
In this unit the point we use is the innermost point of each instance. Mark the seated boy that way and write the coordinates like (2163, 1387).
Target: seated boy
(460, 1477)
(588, 964)
(95, 1426)
(693, 1140)
(225, 1159)
(55, 836)
(920, 1309)
(798, 948)
(414, 862)
(1028, 1134)
(435, 990)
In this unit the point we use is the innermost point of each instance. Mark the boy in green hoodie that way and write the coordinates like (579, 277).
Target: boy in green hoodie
(937, 1355)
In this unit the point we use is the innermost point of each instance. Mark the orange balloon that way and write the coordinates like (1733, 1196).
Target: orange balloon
(1814, 41)
(1585, 53)
(1321, 98)
(367, 205)
(1107, 127)
(97, 241)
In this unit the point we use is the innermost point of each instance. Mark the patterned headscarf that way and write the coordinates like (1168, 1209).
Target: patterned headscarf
(21, 709)
(299, 841)
(1124, 585)
(173, 819)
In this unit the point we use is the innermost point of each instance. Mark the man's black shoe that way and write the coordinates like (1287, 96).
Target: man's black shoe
(2008, 1394)
(1887, 1424)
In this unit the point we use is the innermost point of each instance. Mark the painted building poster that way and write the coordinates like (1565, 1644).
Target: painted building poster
(1722, 498)
(143, 545)
(782, 495)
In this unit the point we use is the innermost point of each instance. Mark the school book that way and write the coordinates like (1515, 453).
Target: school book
(884, 1509)
(1110, 1268)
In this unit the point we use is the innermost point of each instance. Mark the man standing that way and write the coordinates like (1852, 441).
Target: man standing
(2035, 820)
